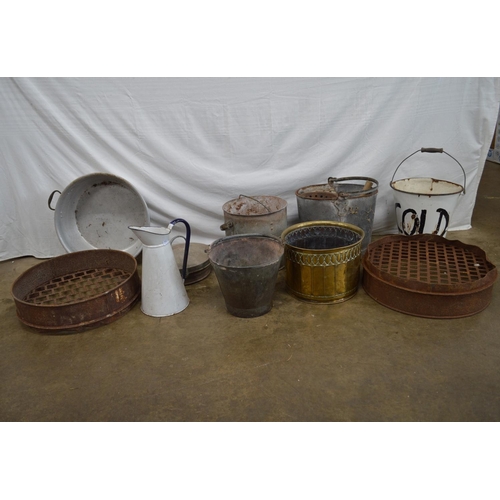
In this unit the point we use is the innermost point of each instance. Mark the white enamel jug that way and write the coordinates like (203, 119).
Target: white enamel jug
(163, 292)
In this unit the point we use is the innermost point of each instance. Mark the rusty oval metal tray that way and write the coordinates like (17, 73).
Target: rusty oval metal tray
(77, 291)
(429, 276)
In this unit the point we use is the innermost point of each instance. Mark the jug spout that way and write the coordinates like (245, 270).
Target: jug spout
(152, 235)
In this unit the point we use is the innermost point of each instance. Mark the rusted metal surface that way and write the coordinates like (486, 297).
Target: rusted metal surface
(429, 276)
(351, 200)
(247, 268)
(322, 260)
(77, 291)
(255, 215)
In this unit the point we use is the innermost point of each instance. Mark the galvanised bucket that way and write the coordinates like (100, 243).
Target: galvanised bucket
(247, 268)
(255, 215)
(350, 200)
(323, 260)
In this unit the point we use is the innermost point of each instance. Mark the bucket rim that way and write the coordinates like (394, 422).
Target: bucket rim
(330, 223)
(353, 194)
(432, 179)
(225, 239)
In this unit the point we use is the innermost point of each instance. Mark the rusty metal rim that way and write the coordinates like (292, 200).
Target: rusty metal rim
(225, 239)
(415, 313)
(86, 325)
(430, 299)
(84, 309)
(428, 306)
(483, 286)
(73, 254)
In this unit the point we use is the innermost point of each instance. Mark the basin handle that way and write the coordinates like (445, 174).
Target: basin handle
(186, 248)
(50, 198)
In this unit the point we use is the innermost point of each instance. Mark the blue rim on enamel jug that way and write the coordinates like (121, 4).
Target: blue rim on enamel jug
(425, 205)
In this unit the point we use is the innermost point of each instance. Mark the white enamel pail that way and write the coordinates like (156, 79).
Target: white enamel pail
(425, 205)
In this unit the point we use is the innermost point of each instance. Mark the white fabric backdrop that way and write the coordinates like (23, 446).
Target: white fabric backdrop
(191, 144)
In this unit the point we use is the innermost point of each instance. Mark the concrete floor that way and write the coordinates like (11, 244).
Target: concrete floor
(356, 361)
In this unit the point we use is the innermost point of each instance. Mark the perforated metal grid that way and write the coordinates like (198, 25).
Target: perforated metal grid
(430, 262)
(429, 276)
(77, 286)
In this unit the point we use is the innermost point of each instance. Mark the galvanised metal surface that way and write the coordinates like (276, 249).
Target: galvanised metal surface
(94, 212)
(255, 215)
(350, 200)
(77, 291)
(428, 276)
(247, 268)
(322, 260)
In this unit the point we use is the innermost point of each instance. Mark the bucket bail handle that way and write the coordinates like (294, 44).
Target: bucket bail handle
(430, 150)
(254, 199)
(186, 247)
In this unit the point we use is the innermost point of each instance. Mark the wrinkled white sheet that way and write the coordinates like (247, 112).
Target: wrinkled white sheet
(191, 144)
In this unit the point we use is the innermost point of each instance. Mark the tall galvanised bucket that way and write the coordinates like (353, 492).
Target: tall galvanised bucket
(350, 200)
(323, 260)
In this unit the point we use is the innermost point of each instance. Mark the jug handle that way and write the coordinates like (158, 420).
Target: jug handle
(186, 248)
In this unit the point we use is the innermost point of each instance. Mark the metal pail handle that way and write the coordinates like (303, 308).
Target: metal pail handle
(430, 150)
(369, 186)
(254, 199)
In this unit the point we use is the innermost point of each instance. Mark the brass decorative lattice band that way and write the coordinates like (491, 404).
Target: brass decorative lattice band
(324, 259)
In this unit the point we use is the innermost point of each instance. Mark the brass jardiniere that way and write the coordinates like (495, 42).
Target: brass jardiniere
(323, 260)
